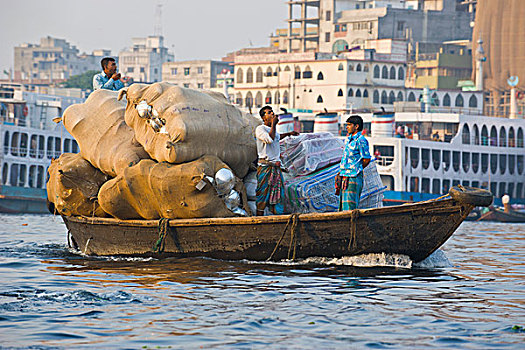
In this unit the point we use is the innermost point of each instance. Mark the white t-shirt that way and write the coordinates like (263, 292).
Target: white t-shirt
(266, 147)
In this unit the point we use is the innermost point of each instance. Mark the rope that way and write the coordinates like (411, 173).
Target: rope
(158, 247)
(354, 215)
(293, 220)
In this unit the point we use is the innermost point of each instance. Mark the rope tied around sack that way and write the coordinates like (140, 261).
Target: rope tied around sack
(354, 215)
(293, 221)
(158, 247)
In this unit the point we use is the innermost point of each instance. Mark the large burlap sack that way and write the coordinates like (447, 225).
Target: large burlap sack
(197, 123)
(105, 139)
(73, 186)
(152, 190)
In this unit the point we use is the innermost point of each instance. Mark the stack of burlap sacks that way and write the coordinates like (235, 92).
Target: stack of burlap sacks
(158, 162)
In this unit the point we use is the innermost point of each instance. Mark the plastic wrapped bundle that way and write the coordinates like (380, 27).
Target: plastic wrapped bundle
(307, 153)
(152, 190)
(73, 186)
(102, 134)
(181, 125)
(316, 192)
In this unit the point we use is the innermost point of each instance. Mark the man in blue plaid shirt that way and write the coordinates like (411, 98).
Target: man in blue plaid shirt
(356, 157)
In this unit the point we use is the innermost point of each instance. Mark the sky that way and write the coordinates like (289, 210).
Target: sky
(192, 29)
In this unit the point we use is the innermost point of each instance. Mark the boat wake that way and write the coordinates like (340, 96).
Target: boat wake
(438, 259)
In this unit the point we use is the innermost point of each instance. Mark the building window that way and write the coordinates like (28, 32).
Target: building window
(186, 85)
(130, 69)
(249, 75)
(340, 46)
(473, 102)
(358, 68)
(365, 93)
(358, 93)
(340, 93)
(307, 74)
(392, 73)
(142, 69)
(259, 75)
(376, 72)
(320, 76)
(327, 37)
(459, 101)
(328, 16)
(187, 71)
(199, 70)
(400, 26)
(320, 99)
(155, 71)
(384, 73)
(200, 85)
(376, 96)
(340, 67)
(350, 92)
(297, 72)
(446, 100)
(400, 73)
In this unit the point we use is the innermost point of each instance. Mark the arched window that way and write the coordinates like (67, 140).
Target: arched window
(392, 73)
(319, 99)
(350, 92)
(473, 102)
(350, 67)
(411, 97)
(340, 46)
(493, 136)
(239, 76)
(399, 96)
(466, 135)
(249, 75)
(446, 100)
(502, 137)
(269, 72)
(238, 99)
(384, 97)
(520, 138)
(297, 72)
(376, 96)
(484, 136)
(391, 98)
(268, 99)
(384, 73)
(358, 68)
(320, 76)
(358, 93)
(307, 74)
(258, 100)
(340, 67)
(259, 75)
(376, 71)
(512, 137)
(476, 134)
(435, 100)
(277, 97)
(340, 93)
(459, 101)
(365, 68)
(400, 73)
(285, 97)
(287, 69)
(365, 93)
(248, 100)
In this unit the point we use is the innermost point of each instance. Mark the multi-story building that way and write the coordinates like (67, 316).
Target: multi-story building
(143, 60)
(53, 60)
(195, 74)
(339, 25)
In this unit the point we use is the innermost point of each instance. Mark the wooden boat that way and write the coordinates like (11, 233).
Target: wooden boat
(499, 215)
(415, 230)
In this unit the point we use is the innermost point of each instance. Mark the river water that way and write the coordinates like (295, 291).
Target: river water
(469, 295)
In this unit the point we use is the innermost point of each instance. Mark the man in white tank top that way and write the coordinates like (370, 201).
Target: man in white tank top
(270, 188)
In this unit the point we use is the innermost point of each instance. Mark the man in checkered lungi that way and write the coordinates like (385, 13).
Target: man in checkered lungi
(356, 157)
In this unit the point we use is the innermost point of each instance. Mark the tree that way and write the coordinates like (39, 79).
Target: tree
(82, 81)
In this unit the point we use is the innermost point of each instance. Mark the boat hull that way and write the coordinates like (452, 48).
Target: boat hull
(23, 200)
(501, 216)
(415, 230)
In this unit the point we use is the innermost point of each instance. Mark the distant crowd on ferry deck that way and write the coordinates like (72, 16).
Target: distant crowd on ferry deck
(109, 79)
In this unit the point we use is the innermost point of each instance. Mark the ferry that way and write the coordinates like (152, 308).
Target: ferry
(30, 141)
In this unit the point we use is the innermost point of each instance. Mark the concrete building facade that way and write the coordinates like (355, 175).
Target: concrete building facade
(53, 60)
(195, 74)
(144, 59)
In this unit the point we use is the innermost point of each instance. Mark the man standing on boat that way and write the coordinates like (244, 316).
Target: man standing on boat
(270, 188)
(108, 79)
(356, 157)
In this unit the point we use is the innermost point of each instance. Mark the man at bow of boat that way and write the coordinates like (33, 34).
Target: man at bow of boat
(356, 157)
(108, 79)
(270, 188)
